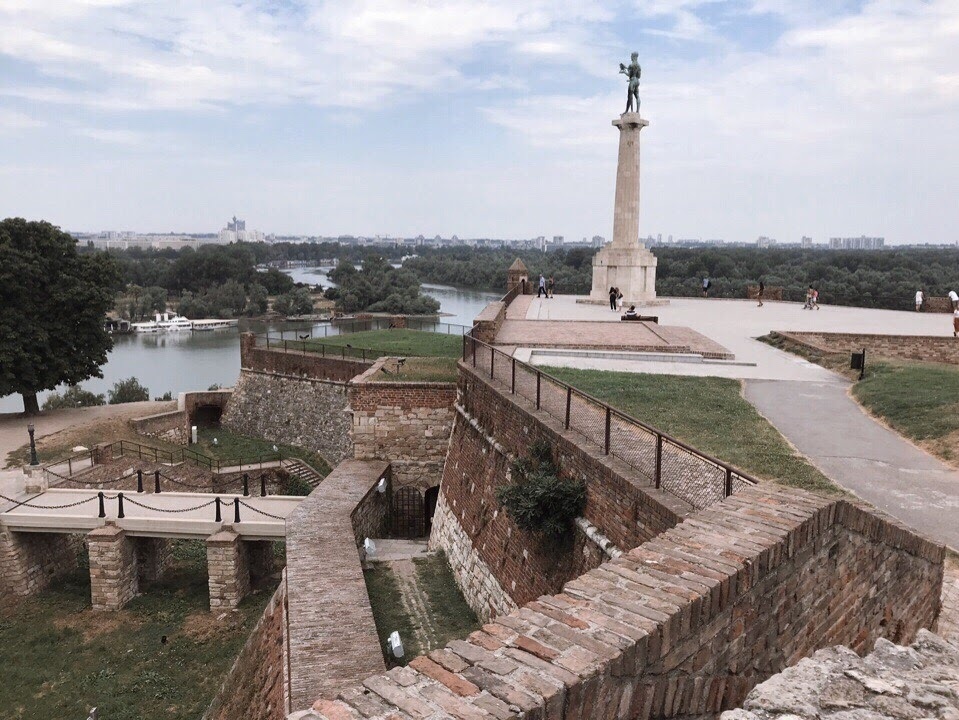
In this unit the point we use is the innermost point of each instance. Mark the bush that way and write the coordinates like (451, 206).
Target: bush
(168, 395)
(292, 485)
(74, 396)
(127, 391)
(540, 500)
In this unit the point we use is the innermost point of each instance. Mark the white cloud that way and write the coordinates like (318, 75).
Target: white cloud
(13, 120)
(112, 136)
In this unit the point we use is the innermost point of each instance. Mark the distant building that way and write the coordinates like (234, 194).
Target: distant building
(806, 242)
(558, 239)
(857, 243)
(236, 225)
(765, 242)
(598, 241)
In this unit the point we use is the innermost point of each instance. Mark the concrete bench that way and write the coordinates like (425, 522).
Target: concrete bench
(640, 318)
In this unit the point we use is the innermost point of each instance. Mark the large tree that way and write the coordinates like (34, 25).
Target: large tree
(52, 305)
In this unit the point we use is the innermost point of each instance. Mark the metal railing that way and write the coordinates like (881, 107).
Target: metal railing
(342, 352)
(375, 322)
(668, 463)
(130, 448)
(78, 461)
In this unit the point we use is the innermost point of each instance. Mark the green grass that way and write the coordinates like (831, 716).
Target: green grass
(60, 659)
(420, 369)
(414, 343)
(232, 447)
(709, 414)
(448, 615)
(919, 400)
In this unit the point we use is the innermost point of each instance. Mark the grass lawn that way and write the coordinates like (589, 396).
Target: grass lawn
(708, 413)
(447, 616)
(918, 400)
(232, 446)
(420, 369)
(414, 343)
(60, 659)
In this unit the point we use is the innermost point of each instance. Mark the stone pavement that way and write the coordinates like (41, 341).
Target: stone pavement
(864, 456)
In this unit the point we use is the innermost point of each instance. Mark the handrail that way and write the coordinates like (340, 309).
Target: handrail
(196, 458)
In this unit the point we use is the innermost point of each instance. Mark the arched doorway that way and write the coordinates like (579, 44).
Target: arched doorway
(408, 519)
(207, 415)
(429, 502)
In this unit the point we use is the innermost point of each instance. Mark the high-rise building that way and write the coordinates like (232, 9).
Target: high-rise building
(857, 243)
(236, 225)
(806, 242)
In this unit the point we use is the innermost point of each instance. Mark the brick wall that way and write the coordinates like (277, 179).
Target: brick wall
(905, 347)
(305, 412)
(490, 429)
(684, 625)
(255, 688)
(294, 362)
(114, 579)
(29, 562)
(171, 426)
(407, 424)
(489, 321)
(332, 636)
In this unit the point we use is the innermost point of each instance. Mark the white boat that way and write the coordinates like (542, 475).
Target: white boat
(213, 324)
(173, 322)
(150, 326)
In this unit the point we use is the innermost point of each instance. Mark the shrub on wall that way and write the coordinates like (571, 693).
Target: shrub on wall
(539, 499)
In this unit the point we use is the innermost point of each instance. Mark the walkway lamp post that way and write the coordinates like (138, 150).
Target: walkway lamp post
(33, 446)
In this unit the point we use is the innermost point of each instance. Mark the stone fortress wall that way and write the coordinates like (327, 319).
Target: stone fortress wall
(942, 349)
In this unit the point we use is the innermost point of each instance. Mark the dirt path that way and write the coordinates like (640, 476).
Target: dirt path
(13, 426)
(416, 603)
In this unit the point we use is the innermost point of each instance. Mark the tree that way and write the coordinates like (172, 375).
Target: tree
(55, 301)
(298, 302)
(127, 391)
(257, 301)
(74, 396)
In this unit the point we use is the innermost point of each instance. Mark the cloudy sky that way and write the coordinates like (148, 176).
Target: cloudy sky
(483, 119)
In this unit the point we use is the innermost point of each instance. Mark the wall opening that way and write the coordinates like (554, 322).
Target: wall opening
(408, 513)
(207, 416)
(429, 509)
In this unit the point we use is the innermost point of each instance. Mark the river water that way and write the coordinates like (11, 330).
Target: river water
(181, 361)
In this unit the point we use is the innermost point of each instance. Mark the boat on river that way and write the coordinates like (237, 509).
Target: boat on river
(213, 324)
(174, 322)
(167, 322)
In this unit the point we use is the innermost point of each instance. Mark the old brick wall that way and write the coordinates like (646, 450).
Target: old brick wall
(308, 413)
(905, 347)
(256, 686)
(29, 562)
(407, 424)
(295, 362)
(495, 563)
(332, 636)
(685, 625)
(171, 426)
(489, 321)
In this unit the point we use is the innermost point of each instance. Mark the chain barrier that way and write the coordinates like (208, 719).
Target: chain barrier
(27, 503)
(100, 483)
(262, 512)
(127, 498)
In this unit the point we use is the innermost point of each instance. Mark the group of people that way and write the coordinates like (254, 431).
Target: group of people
(812, 299)
(615, 299)
(954, 301)
(545, 287)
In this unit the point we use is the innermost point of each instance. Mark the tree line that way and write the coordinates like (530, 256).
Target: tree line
(872, 279)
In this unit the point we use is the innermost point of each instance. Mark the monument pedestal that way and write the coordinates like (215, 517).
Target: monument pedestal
(625, 263)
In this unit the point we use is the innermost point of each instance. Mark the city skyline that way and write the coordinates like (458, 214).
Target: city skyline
(766, 117)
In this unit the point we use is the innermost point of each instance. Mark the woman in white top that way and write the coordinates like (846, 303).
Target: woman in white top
(954, 299)
(919, 299)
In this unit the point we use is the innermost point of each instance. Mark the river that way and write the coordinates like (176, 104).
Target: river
(181, 361)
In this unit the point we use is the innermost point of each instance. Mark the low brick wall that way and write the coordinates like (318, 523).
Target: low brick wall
(685, 625)
(495, 563)
(172, 426)
(405, 423)
(256, 686)
(927, 348)
(30, 562)
(489, 321)
(937, 305)
(297, 363)
(332, 636)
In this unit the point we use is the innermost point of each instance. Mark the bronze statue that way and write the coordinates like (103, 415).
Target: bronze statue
(632, 74)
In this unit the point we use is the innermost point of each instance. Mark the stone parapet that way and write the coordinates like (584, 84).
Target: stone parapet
(928, 348)
(290, 361)
(228, 569)
(684, 625)
(487, 324)
(114, 578)
(172, 426)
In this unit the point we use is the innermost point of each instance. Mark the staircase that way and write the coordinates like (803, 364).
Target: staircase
(302, 470)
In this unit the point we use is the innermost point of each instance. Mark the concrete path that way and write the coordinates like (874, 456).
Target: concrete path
(847, 445)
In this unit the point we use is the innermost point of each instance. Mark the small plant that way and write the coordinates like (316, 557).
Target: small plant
(74, 396)
(127, 391)
(168, 395)
(292, 485)
(539, 499)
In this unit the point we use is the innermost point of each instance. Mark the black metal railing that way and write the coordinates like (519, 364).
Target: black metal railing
(130, 448)
(668, 463)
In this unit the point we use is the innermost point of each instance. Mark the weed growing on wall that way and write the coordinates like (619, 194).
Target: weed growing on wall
(539, 499)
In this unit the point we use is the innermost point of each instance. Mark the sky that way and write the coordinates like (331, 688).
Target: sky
(482, 119)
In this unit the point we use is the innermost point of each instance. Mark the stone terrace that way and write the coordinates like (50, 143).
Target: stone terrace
(683, 625)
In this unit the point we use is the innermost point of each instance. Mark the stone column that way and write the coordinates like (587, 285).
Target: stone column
(626, 208)
(114, 579)
(153, 558)
(228, 569)
(30, 561)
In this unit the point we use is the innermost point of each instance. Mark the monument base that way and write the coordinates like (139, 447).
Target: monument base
(639, 303)
(629, 267)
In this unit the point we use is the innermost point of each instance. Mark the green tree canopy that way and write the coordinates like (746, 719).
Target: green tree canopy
(379, 287)
(54, 301)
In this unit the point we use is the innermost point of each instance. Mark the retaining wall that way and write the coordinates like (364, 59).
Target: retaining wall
(495, 563)
(407, 424)
(684, 625)
(489, 322)
(172, 426)
(256, 686)
(332, 636)
(294, 362)
(906, 347)
(29, 562)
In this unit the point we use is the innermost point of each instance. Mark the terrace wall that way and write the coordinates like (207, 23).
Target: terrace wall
(495, 563)
(489, 321)
(905, 347)
(172, 426)
(292, 362)
(685, 625)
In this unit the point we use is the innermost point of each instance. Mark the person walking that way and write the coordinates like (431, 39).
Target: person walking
(808, 304)
(762, 289)
(612, 298)
(919, 300)
(542, 286)
(550, 286)
(815, 298)
(706, 285)
(619, 300)
(954, 299)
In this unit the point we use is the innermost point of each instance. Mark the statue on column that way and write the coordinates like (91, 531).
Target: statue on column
(632, 74)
